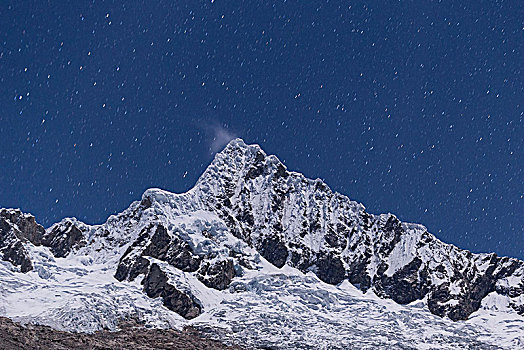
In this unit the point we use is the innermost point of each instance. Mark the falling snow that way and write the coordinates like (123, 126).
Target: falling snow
(411, 108)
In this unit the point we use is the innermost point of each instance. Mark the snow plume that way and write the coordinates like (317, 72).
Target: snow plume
(219, 135)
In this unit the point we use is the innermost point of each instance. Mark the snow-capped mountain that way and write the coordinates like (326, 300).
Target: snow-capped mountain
(262, 256)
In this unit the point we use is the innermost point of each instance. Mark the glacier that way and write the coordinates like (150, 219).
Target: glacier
(257, 255)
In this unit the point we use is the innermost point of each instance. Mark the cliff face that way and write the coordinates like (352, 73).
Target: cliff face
(16, 228)
(247, 206)
(292, 220)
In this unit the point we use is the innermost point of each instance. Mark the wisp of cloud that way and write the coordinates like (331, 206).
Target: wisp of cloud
(221, 137)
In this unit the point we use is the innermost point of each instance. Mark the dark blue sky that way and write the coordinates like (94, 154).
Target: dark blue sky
(410, 107)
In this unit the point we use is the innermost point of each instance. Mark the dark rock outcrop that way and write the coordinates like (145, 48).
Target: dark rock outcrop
(16, 228)
(274, 250)
(330, 269)
(131, 268)
(474, 286)
(13, 250)
(156, 285)
(155, 241)
(62, 238)
(217, 275)
(404, 286)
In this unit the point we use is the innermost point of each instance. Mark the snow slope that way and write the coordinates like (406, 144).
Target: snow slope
(261, 256)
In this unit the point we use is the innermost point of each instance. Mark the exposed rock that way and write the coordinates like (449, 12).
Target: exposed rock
(217, 275)
(156, 285)
(16, 228)
(391, 235)
(474, 287)
(159, 245)
(131, 262)
(13, 251)
(146, 203)
(28, 229)
(62, 238)
(330, 269)
(274, 250)
(181, 256)
(333, 240)
(131, 336)
(129, 269)
(404, 286)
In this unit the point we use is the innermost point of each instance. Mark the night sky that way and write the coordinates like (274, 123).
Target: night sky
(410, 107)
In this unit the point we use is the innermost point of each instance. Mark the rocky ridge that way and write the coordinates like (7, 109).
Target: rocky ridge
(292, 220)
(247, 209)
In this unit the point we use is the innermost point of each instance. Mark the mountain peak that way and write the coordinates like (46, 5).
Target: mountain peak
(236, 143)
(248, 214)
(290, 219)
(238, 160)
(239, 146)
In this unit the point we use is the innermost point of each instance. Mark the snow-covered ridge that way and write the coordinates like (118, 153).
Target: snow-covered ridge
(292, 220)
(170, 258)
